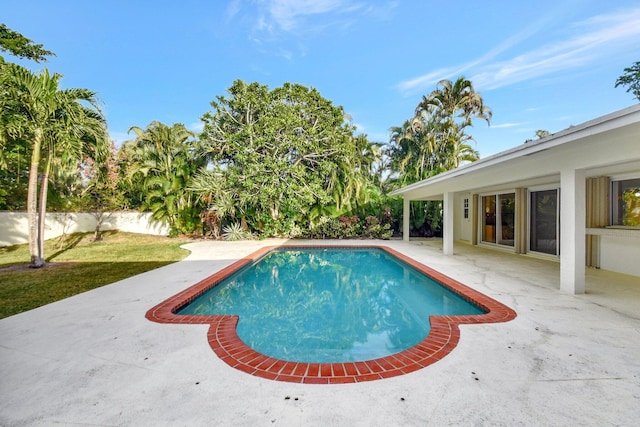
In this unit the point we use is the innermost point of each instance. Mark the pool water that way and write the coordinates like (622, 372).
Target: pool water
(322, 305)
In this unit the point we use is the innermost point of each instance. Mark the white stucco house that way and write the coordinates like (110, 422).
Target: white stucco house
(573, 196)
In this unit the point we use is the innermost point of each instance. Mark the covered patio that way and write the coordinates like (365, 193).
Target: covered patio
(572, 175)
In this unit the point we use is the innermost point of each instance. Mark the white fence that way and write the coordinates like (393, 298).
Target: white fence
(14, 229)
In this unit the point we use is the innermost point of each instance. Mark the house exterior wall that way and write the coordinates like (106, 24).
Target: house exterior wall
(620, 254)
(617, 250)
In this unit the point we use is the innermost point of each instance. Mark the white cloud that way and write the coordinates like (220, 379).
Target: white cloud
(233, 9)
(592, 40)
(288, 13)
(274, 20)
(505, 125)
(430, 79)
(427, 80)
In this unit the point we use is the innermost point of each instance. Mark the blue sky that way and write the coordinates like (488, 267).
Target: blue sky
(538, 64)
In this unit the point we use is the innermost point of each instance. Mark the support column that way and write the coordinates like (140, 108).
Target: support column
(447, 223)
(406, 212)
(572, 231)
(475, 229)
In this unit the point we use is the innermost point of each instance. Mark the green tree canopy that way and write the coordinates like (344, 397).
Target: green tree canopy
(278, 153)
(434, 141)
(20, 46)
(14, 157)
(631, 78)
(163, 160)
(61, 126)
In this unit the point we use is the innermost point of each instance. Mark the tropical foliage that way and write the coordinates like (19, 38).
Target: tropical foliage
(281, 158)
(435, 140)
(55, 126)
(631, 79)
(269, 162)
(164, 158)
(20, 46)
(99, 188)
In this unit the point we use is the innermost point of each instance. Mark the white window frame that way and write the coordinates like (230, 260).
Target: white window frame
(612, 200)
(495, 194)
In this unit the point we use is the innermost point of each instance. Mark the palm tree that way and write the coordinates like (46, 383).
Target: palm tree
(59, 123)
(402, 147)
(434, 140)
(415, 148)
(455, 148)
(439, 123)
(456, 100)
(167, 157)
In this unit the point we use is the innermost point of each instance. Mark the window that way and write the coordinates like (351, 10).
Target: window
(626, 202)
(466, 208)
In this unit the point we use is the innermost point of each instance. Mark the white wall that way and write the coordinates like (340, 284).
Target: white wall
(14, 227)
(620, 254)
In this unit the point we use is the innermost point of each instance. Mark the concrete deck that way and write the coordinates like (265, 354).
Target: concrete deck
(94, 359)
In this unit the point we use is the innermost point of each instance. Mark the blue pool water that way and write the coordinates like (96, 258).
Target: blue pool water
(330, 305)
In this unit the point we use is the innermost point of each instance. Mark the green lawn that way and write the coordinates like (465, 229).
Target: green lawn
(76, 264)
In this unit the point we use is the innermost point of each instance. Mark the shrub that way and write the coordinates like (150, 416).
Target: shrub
(375, 230)
(234, 232)
(327, 228)
(349, 226)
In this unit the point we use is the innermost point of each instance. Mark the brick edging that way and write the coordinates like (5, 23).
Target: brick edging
(223, 339)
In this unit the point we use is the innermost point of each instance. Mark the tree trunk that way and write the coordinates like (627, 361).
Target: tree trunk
(44, 186)
(100, 217)
(32, 204)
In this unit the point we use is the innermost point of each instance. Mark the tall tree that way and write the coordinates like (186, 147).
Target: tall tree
(60, 123)
(435, 139)
(279, 152)
(353, 174)
(631, 78)
(101, 194)
(167, 157)
(20, 46)
(455, 101)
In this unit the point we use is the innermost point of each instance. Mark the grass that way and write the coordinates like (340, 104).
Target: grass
(76, 264)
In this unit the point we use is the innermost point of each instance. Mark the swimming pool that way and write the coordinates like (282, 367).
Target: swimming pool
(379, 346)
(326, 305)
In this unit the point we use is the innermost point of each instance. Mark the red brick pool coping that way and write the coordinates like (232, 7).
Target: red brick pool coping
(224, 341)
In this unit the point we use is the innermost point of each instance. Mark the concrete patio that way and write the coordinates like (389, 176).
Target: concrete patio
(95, 360)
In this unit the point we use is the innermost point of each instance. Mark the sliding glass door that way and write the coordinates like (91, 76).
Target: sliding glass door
(544, 223)
(507, 204)
(498, 219)
(489, 219)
